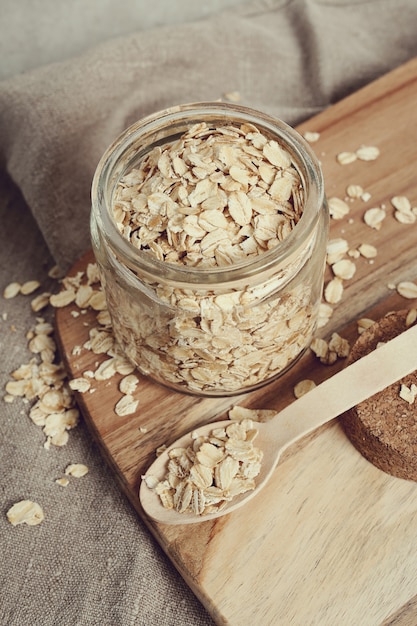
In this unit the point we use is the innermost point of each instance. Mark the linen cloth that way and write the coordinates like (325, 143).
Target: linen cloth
(92, 562)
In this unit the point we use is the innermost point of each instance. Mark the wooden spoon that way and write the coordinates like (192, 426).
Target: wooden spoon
(357, 382)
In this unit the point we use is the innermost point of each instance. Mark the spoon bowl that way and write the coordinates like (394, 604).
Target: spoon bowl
(336, 395)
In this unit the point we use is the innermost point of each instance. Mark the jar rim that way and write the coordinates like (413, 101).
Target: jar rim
(153, 126)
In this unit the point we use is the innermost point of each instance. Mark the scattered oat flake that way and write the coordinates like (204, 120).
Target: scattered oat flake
(354, 254)
(325, 313)
(63, 298)
(333, 291)
(374, 217)
(364, 323)
(40, 302)
(126, 405)
(17, 387)
(411, 317)
(303, 387)
(128, 384)
(404, 212)
(57, 426)
(11, 290)
(43, 328)
(98, 301)
(354, 191)
(339, 345)
(106, 370)
(25, 512)
(311, 136)
(76, 469)
(344, 269)
(101, 342)
(338, 208)
(367, 250)
(329, 352)
(405, 218)
(29, 287)
(82, 298)
(401, 203)
(93, 274)
(123, 366)
(344, 158)
(336, 250)
(407, 289)
(367, 153)
(80, 384)
(319, 346)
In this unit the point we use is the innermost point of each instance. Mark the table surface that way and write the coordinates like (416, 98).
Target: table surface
(284, 549)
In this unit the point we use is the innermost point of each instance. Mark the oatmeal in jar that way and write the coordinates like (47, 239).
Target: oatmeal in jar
(209, 227)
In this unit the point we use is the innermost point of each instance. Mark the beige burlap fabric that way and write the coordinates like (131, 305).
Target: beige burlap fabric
(92, 562)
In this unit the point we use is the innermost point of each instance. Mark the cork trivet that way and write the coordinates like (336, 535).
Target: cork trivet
(384, 427)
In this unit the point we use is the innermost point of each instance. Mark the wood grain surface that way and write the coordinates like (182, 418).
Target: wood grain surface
(331, 540)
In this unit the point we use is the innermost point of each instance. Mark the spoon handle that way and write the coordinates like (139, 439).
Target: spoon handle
(362, 379)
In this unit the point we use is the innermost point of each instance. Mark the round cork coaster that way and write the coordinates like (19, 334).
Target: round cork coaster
(384, 427)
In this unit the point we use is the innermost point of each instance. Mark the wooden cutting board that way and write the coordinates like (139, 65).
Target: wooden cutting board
(331, 540)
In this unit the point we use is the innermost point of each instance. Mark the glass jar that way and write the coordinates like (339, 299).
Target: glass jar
(219, 330)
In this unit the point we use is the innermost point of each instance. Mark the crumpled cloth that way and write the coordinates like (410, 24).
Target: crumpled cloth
(92, 562)
(287, 58)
